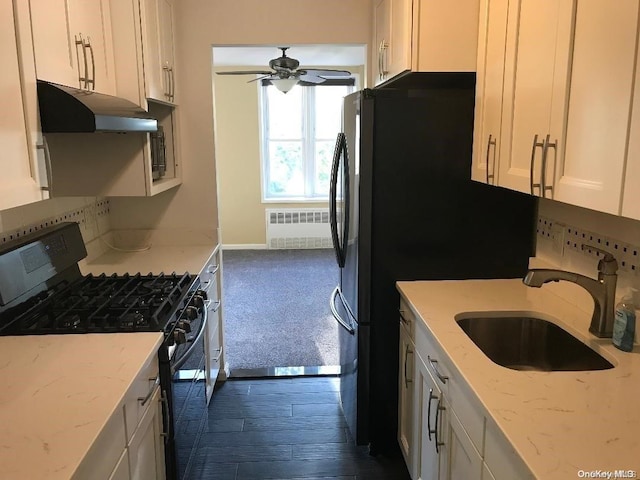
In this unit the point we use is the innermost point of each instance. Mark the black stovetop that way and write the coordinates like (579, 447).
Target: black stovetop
(101, 304)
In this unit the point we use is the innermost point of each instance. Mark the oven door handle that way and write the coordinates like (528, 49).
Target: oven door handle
(181, 361)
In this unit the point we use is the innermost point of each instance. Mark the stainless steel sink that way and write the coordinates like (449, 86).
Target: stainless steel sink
(529, 343)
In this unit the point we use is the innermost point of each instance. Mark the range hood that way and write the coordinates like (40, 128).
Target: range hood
(70, 110)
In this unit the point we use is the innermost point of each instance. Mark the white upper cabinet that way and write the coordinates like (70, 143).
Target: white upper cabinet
(590, 170)
(536, 69)
(425, 36)
(489, 86)
(565, 89)
(20, 182)
(158, 39)
(631, 195)
(73, 43)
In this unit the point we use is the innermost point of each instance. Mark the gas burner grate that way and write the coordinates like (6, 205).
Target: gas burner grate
(104, 304)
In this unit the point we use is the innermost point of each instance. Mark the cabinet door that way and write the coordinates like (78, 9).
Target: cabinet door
(121, 472)
(54, 44)
(536, 66)
(463, 461)
(91, 20)
(158, 47)
(397, 58)
(489, 86)
(18, 182)
(405, 398)
(590, 169)
(382, 37)
(427, 400)
(631, 197)
(146, 449)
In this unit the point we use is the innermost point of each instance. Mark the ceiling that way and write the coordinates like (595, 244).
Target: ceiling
(315, 55)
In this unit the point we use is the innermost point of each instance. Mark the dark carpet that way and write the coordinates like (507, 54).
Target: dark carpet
(276, 308)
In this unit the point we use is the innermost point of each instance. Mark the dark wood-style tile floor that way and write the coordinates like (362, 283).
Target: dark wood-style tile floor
(282, 429)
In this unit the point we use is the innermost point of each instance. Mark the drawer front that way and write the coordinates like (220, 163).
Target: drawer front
(210, 273)
(407, 318)
(500, 457)
(137, 398)
(462, 400)
(105, 452)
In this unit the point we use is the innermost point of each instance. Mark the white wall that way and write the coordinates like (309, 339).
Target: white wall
(199, 25)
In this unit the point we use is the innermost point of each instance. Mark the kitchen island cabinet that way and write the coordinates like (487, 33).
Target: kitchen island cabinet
(63, 403)
(547, 425)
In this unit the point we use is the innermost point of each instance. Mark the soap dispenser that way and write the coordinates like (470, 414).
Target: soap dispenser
(624, 325)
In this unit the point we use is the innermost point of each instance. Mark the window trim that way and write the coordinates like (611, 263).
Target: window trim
(308, 142)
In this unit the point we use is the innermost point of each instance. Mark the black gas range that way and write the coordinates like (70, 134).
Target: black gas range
(43, 292)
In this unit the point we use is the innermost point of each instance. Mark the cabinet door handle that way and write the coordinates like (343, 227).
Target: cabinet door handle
(402, 319)
(407, 380)
(47, 163)
(164, 400)
(143, 400)
(491, 142)
(173, 84)
(435, 433)
(165, 74)
(80, 43)
(384, 46)
(217, 358)
(380, 61)
(431, 397)
(543, 174)
(434, 367)
(535, 145)
(92, 80)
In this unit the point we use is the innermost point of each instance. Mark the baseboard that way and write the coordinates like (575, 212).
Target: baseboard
(244, 246)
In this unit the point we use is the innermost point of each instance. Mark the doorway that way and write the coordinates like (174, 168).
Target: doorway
(277, 318)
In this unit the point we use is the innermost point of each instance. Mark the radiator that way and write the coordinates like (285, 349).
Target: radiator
(298, 228)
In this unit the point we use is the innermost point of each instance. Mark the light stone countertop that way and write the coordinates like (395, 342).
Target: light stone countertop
(558, 422)
(58, 391)
(158, 259)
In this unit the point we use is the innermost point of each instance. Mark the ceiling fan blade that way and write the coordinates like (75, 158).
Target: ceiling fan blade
(246, 72)
(311, 79)
(262, 78)
(327, 73)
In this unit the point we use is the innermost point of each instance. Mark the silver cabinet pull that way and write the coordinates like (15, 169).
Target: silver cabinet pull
(407, 380)
(143, 400)
(535, 145)
(164, 399)
(491, 143)
(434, 367)
(217, 358)
(402, 319)
(47, 163)
(167, 76)
(431, 397)
(173, 83)
(216, 307)
(213, 269)
(380, 60)
(543, 174)
(92, 80)
(439, 408)
(80, 43)
(384, 46)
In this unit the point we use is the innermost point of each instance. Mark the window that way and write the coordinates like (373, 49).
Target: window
(299, 131)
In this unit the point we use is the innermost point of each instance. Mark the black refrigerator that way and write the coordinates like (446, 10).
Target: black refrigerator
(403, 207)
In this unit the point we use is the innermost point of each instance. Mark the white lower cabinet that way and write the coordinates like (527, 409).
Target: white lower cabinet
(450, 435)
(210, 277)
(121, 472)
(146, 447)
(406, 391)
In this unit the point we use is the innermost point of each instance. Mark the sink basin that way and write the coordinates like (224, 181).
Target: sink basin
(529, 343)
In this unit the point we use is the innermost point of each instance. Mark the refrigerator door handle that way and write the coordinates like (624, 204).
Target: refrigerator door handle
(336, 315)
(333, 200)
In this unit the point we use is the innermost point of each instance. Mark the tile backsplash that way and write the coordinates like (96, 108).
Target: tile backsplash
(91, 214)
(562, 231)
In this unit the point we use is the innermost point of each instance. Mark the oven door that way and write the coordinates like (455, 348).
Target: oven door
(189, 403)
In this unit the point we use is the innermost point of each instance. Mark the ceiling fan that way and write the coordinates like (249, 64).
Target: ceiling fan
(285, 73)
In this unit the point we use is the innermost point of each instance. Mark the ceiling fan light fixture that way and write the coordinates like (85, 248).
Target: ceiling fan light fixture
(284, 84)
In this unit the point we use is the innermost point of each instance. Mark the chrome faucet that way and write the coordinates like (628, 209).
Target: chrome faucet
(603, 290)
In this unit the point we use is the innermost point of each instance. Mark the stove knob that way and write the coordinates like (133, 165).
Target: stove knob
(201, 293)
(180, 336)
(198, 300)
(191, 313)
(185, 325)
